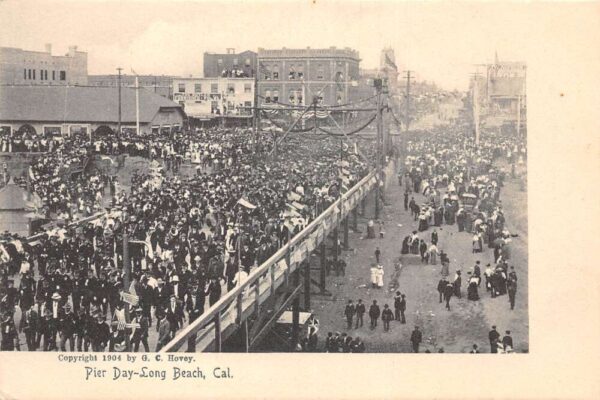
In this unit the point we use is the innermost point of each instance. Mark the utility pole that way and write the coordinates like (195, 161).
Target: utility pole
(378, 86)
(475, 105)
(407, 118)
(255, 116)
(119, 83)
(137, 106)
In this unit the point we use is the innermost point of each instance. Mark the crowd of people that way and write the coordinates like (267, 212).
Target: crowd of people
(190, 238)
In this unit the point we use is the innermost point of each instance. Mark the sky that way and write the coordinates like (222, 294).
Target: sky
(440, 42)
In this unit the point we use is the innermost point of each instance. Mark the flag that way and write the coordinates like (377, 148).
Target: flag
(390, 62)
(246, 203)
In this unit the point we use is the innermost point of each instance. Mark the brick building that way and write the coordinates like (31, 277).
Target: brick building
(25, 67)
(294, 76)
(224, 64)
(159, 84)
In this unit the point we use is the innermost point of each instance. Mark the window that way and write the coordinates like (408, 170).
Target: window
(33, 74)
(41, 74)
(197, 88)
(63, 76)
(247, 62)
(235, 62)
(52, 130)
(300, 71)
(295, 96)
(214, 88)
(230, 88)
(53, 75)
(247, 88)
(275, 96)
(266, 70)
(220, 62)
(24, 73)
(320, 72)
(80, 129)
(28, 74)
(181, 88)
(267, 96)
(275, 71)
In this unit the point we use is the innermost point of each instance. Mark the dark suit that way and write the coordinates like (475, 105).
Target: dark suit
(175, 316)
(195, 307)
(374, 313)
(416, 338)
(349, 313)
(29, 325)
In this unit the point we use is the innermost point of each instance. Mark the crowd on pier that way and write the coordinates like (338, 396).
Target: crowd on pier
(186, 235)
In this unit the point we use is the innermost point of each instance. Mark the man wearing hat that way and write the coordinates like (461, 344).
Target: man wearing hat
(139, 334)
(10, 337)
(163, 328)
(493, 337)
(28, 324)
(511, 286)
(448, 292)
(416, 338)
(174, 314)
(100, 333)
(47, 331)
(386, 316)
(66, 327)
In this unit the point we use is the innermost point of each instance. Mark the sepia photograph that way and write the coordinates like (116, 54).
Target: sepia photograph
(271, 177)
(312, 199)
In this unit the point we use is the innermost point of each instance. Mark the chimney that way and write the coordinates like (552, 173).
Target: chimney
(72, 50)
(230, 50)
(48, 47)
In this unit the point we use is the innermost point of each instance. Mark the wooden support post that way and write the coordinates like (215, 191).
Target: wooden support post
(363, 205)
(307, 285)
(295, 314)
(335, 244)
(323, 265)
(238, 304)
(355, 219)
(257, 297)
(272, 277)
(346, 233)
(218, 332)
(244, 332)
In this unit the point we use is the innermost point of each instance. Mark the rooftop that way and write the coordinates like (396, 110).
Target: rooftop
(77, 104)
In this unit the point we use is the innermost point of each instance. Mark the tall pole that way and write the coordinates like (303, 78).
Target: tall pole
(379, 138)
(475, 100)
(407, 122)
(119, 83)
(137, 106)
(126, 273)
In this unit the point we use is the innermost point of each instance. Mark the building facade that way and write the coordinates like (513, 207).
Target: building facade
(500, 95)
(24, 67)
(296, 76)
(230, 64)
(226, 100)
(159, 84)
(55, 110)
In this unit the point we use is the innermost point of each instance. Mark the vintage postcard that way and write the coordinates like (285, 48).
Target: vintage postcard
(209, 199)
